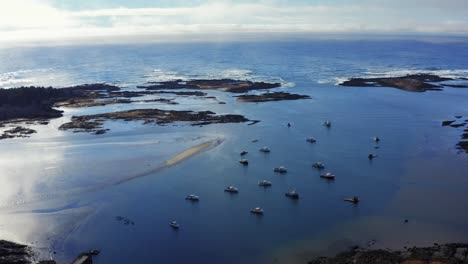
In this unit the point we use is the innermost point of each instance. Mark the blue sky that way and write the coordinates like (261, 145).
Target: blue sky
(45, 20)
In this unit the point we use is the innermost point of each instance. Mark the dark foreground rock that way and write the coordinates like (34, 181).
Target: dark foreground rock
(266, 97)
(94, 123)
(13, 253)
(411, 83)
(440, 254)
(226, 85)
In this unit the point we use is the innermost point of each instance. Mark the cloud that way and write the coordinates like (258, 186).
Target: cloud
(27, 20)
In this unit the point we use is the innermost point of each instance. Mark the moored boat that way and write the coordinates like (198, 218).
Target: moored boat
(264, 183)
(328, 176)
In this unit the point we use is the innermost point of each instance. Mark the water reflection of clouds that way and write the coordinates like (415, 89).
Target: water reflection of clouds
(42, 183)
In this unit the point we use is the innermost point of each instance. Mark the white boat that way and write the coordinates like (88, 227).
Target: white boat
(244, 162)
(376, 139)
(174, 225)
(328, 176)
(231, 189)
(265, 150)
(319, 165)
(192, 197)
(292, 194)
(354, 200)
(264, 183)
(257, 210)
(280, 169)
(311, 140)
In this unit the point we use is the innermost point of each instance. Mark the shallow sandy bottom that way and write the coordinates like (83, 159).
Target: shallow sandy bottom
(54, 194)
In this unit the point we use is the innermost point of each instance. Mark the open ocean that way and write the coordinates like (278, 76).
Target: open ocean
(58, 189)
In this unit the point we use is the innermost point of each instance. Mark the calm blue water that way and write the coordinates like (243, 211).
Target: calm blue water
(418, 174)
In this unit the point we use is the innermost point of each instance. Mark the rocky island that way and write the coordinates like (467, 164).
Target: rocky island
(266, 97)
(410, 83)
(226, 85)
(463, 143)
(39, 104)
(94, 123)
(36, 103)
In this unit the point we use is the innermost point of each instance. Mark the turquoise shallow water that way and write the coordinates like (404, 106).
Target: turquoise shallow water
(418, 174)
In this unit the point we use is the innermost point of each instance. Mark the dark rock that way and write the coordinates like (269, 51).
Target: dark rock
(458, 125)
(447, 123)
(13, 253)
(37, 102)
(18, 131)
(463, 145)
(411, 83)
(100, 131)
(227, 85)
(266, 97)
(189, 93)
(93, 123)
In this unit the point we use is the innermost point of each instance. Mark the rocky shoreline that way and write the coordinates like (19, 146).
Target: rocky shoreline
(453, 253)
(18, 131)
(410, 83)
(94, 123)
(28, 105)
(458, 122)
(14, 253)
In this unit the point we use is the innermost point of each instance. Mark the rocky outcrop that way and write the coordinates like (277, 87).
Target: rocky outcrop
(226, 85)
(94, 123)
(411, 83)
(18, 131)
(266, 97)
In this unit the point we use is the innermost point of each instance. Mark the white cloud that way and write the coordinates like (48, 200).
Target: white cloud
(26, 20)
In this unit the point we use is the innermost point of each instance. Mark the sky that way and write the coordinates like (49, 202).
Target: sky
(52, 20)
